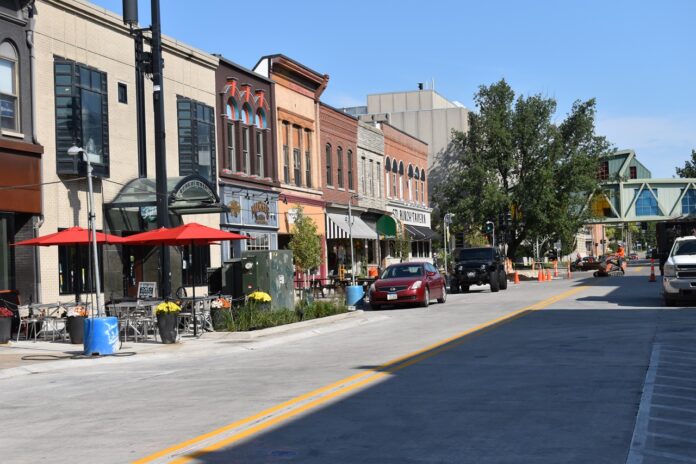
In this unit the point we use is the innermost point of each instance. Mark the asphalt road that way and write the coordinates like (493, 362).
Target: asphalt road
(540, 373)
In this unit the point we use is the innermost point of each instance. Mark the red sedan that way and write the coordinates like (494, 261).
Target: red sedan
(408, 283)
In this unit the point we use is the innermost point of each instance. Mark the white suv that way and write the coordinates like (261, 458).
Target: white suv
(679, 277)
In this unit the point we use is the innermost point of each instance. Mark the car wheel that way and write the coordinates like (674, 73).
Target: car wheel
(494, 281)
(444, 295)
(465, 288)
(426, 299)
(503, 281)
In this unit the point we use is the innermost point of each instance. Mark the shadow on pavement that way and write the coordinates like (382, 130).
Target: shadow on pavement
(559, 385)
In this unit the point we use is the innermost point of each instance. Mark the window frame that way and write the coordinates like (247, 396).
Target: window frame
(329, 156)
(260, 153)
(286, 152)
(349, 162)
(197, 117)
(15, 82)
(339, 167)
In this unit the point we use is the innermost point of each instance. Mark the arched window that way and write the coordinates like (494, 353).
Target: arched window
(232, 110)
(409, 186)
(387, 168)
(339, 166)
(422, 176)
(401, 180)
(261, 119)
(349, 163)
(329, 177)
(246, 115)
(9, 83)
(416, 176)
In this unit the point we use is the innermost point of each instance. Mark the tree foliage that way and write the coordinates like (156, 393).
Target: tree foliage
(305, 242)
(515, 159)
(402, 244)
(689, 169)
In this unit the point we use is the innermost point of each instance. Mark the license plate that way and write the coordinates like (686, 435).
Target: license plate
(391, 296)
(471, 274)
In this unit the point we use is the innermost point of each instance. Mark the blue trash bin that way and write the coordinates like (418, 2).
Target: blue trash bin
(354, 293)
(101, 336)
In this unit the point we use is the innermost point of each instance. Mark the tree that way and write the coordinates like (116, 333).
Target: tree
(689, 169)
(515, 159)
(305, 242)
(402, 245)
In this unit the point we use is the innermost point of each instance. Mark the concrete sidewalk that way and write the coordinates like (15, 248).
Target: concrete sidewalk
(29, 357)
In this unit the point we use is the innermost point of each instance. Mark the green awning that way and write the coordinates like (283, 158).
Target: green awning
(386, 227)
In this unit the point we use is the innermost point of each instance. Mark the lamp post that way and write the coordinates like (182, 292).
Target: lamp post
(92, 227)
(447, 221)
(354, 196)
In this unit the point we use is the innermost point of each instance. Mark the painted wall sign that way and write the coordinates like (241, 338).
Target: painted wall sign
(260, 212)
(411, 216)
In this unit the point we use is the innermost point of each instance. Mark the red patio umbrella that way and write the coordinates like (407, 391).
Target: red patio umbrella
(72, 236)
(187, 234)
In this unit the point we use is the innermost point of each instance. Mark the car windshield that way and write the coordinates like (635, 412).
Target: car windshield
(471, 254)
(687, 247)
(395, 272)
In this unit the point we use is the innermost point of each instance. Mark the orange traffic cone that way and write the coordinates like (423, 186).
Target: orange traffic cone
(548, 275)
(516, 279)
(652, 271)
(555, 268)
(540, 275)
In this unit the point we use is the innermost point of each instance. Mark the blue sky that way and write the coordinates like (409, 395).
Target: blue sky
(635, 57)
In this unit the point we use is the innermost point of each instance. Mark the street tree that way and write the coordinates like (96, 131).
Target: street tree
(689, 169)
(305, 242)
(515, 159)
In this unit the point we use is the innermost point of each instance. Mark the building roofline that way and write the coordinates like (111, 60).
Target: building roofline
(413, 91)
(244, 69)
(405, 133)
(333, 108)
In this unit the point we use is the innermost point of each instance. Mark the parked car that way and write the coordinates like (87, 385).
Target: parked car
(478, 266)
(633, 256)
(408, 283)
(679, 271)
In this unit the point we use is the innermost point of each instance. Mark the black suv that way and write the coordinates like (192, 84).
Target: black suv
(478, 266)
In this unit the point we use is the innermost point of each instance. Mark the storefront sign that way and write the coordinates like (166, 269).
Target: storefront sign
(260, 212)
(411, 216)
(235, 208)
(147, 290)
(250, 207)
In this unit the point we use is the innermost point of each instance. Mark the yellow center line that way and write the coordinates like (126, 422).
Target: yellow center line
(341, 387)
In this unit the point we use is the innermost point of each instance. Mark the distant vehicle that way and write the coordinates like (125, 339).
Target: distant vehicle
(408, 283)
(588, 263)
(478, 266)
(666, 232)
(633, 256)
(679, 272)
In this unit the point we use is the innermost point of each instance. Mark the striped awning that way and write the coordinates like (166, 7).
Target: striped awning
(337, 227)
(420, 233)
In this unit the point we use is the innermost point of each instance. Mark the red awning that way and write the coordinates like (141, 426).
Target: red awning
(71, 236)
(186, 234)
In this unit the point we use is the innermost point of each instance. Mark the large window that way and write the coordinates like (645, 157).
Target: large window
(379, 180)
(261, 242)
(81, 103)
(363, 161)
(74, 269)
(196, 138)
(9, 83)
(246, 168)
(195, 267)
(329, 174)
(633, 172)
(372, 178)
(231, 153)
(297, 155)
(349, 162)
(286, 153)
(646, 203)
(689, 202)
(259, 154)
(603, 172)
(308, 158)
(339, 167)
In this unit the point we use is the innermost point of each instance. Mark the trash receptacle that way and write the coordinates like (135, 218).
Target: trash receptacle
(354, 293)
(101, 336)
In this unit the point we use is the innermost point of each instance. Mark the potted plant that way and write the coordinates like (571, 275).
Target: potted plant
(260, 298)
(167, 313)
(216, 308)
(76, 324)
(5, 324)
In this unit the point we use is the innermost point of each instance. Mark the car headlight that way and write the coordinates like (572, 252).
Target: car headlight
(483, 267)
(669, 270)
(416, 285)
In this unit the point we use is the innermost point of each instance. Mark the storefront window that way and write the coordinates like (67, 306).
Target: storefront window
(74, 265)
(261, 241)
(195, 271)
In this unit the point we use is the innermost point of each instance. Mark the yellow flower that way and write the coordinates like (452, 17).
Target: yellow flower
(167, 307)
(261, 297)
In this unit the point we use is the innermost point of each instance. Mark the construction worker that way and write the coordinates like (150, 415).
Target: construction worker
(620, 255)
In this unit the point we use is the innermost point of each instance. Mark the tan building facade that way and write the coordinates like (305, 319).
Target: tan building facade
(86, 70)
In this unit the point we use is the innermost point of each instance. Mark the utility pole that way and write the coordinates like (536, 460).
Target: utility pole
(160, 149)
(445, 230)
(350, 233)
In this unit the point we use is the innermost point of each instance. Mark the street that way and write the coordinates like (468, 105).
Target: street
(541, 373)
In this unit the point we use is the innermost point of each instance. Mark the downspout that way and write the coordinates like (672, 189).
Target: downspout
(38, 220)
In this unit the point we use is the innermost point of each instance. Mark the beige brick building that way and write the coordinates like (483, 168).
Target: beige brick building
(85, 72)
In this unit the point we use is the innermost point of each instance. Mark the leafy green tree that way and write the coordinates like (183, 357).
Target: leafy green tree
(402, 244)
(689, 169)
(305, 242)
(515, 159)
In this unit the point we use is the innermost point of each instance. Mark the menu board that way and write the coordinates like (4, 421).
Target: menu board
(147, 290)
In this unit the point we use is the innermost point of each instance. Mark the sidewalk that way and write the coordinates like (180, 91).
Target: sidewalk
(29, 357)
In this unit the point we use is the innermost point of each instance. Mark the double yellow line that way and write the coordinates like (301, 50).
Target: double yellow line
(268, 418)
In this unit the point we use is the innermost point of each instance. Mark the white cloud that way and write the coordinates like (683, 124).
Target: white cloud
(661, 143)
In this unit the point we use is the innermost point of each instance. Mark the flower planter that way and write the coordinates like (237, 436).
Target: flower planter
(5, 329)
(76, 329)
(166, 323)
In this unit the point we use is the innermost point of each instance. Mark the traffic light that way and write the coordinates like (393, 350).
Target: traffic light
(488, 228)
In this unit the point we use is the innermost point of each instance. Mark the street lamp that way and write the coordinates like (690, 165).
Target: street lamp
(92, 227)
(354, 196)
(447, 221)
